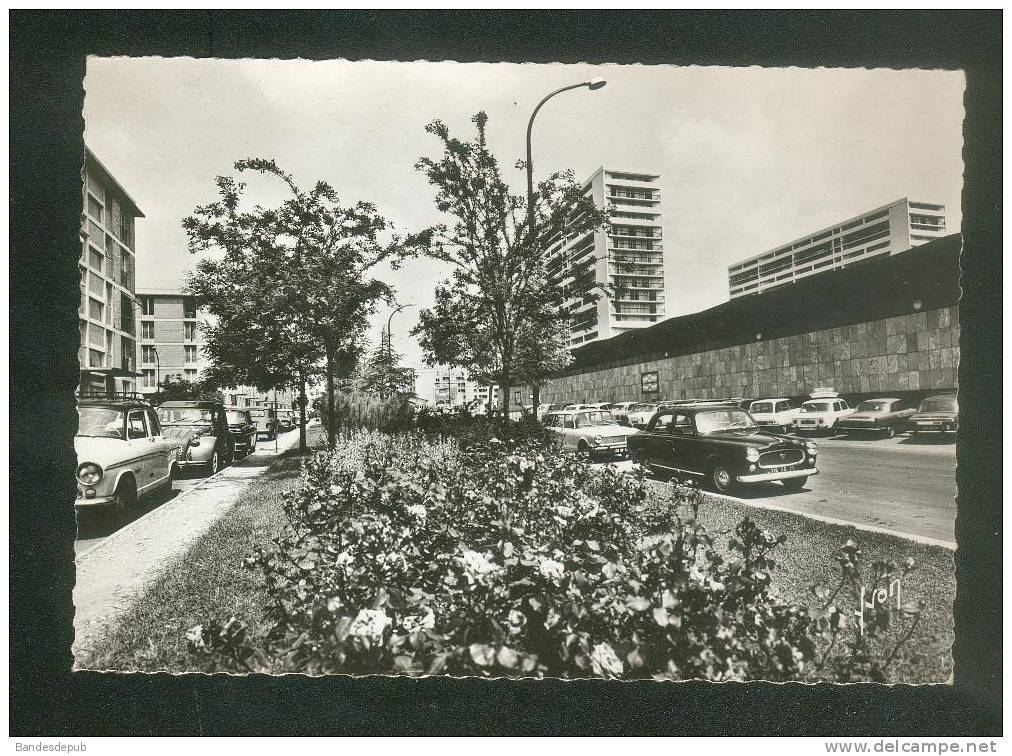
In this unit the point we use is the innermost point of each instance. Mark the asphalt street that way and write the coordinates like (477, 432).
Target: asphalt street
(904, 484)
(94, 526)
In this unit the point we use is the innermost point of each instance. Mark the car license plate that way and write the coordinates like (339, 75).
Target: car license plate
(779, 469)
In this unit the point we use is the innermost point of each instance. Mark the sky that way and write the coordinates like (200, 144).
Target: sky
(749, 158)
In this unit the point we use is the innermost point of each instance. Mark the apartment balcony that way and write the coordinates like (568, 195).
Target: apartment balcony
(634, 201)
(650, 273)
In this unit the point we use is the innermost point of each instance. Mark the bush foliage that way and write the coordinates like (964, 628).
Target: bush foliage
(410, 555)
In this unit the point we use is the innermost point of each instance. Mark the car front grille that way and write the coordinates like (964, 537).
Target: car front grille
(613, 439)
(781, 457)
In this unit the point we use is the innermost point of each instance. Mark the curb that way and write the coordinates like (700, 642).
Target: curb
(949, 545)
(126, 529)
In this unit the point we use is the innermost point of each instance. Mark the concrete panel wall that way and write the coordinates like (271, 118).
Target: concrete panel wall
(915, 352)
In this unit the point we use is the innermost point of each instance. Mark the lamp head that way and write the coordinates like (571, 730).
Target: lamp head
(596, 83)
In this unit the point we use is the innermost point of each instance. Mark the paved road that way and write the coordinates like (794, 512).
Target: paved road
(93, 527)
(902, 484)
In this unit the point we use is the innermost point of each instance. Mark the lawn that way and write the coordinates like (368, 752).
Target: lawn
(808, 557)
(208, 581)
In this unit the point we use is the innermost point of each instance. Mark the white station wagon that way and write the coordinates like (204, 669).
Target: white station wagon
(121, 453)
(821, 414)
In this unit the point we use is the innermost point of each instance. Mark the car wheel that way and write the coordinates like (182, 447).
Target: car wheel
(125, 497)
(215, 464)
(721, 479)
(795, 484)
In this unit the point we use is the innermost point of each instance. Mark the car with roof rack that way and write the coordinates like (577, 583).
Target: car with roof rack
(722, 445)
(122, 454)
(776, 414)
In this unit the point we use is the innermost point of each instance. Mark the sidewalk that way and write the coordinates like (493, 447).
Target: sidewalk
(118, 570)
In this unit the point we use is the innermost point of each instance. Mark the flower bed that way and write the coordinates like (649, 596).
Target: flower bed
(408, 555)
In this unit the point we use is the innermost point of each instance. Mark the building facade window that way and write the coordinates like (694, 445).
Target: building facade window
(190, 376)
(147, 329)
(189, 307)
(190, 353)
(147, 354)
(147, 305)
(96, 309)
(149, 378)
(189, 331)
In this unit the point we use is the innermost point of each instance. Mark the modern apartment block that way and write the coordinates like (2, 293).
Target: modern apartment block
(106, 314)
(453, 387)
(628, 256)
(886, 230)
(171, 343)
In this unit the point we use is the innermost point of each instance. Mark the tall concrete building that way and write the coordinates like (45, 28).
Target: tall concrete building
(886, 230)
(106, 314)
(628, 257)
(171, 343)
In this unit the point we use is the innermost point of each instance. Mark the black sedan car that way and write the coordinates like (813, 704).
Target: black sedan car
(722, 445)
(244, 430)
(937, 414)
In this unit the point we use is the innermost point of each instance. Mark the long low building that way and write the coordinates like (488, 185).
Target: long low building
(889, 326)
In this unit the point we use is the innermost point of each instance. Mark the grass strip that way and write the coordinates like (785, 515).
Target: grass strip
(208, 581)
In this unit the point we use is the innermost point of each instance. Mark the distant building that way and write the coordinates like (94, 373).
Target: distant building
(452, 387)
(106, 314)
(628, 256)
(171, 341)
(887, 230)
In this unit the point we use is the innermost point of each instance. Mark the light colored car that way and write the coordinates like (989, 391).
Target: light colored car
(821, 414)
(121, 453)
(884, 416)
(773, 414)
(545, 409)
(201, 428)
(591, 431)
(620, 411)
(642, 415)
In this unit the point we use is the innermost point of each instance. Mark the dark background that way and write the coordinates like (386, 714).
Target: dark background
(48, 50)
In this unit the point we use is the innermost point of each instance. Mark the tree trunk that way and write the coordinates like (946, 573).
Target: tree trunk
(535, 399)
(331, 420)
(302, 412)
(505, 400)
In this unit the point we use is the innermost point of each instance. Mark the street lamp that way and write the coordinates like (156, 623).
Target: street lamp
(390, 341)
(593, 84)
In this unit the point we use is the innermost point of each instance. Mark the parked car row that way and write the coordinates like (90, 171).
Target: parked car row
(728, 445)
(127, 449)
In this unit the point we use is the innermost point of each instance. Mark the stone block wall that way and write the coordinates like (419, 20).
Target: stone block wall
(915, 352)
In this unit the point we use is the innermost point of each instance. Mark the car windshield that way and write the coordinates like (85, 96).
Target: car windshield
(941, 404)
(816, 407)
(100, 422)
(873, 406)
(183, 415)
(590, 419)
(719, 421)
(235, 416)
(761, 407)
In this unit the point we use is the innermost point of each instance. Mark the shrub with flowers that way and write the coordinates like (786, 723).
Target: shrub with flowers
(408, 555)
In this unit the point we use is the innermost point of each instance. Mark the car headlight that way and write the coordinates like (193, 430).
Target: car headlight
(89, 473)
(812, 448)
(752, 454)
(597, 440)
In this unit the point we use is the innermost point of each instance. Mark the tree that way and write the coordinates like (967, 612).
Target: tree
(307, 262)
(498, 303)
(176, 388)
(382, 373)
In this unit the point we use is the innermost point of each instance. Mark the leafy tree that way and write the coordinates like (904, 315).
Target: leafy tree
(307, 266)
(174, 387)
(498, 303)
(382, 373)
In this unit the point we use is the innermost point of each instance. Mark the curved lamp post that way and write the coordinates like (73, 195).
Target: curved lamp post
(390, 340)
(591, 85)
(532, 230)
